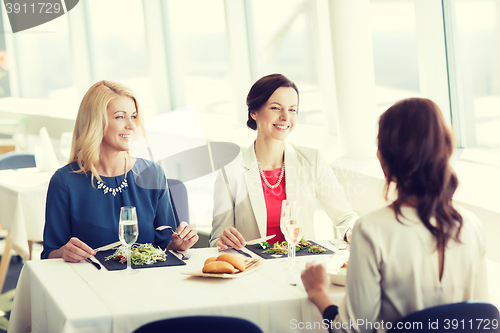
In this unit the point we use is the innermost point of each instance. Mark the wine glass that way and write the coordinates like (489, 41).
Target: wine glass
(293, 231)
(340, 243)
(128, 230)
(284, 218)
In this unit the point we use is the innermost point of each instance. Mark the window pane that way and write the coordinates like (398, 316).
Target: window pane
(395, 58)
(476, 40)
(198, 53)
(118, 44)
(283, 42)
(43, 59)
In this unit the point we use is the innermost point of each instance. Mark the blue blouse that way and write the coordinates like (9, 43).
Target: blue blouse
(75, 208)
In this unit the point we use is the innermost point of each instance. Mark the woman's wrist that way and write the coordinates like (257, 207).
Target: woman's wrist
(320, 298)
(54, 254)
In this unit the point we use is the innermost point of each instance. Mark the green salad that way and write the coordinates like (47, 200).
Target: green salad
(316, 249)
(140, 254)
(282, 247)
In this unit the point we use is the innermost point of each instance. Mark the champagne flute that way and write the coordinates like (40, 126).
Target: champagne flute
(294, 232)
(284, 218)
(340, 243)
(128, 230)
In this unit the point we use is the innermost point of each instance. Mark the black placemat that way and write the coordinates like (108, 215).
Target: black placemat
(114, 265)
(299, 253)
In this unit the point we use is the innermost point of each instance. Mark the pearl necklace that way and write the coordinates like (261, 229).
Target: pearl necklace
(264, 176)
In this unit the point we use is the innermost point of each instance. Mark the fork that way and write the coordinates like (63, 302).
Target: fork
(163, 227)
(185, 255)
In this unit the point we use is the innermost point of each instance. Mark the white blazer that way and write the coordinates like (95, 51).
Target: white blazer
(239, 199)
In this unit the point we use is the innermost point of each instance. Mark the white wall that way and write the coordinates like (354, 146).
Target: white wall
(358, 175)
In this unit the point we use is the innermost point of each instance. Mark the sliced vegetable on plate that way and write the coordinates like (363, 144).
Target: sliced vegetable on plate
(281, 248)
(140, 254)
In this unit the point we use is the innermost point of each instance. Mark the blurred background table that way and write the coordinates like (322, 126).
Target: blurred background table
(22, 203)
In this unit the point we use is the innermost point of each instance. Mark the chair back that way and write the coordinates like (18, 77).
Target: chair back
(197, 324)
(456, 317)
(179, 199)
(15, 160)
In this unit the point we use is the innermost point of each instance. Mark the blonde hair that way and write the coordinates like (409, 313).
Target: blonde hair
(92, 122)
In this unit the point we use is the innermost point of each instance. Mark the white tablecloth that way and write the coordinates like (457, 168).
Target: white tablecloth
(22, 206)
(61, 297)
(55, 296)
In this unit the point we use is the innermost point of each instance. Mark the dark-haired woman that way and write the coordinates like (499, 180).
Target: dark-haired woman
(419, 252)
(250, 190)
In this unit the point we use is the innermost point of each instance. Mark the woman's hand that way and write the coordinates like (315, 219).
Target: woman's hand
(73, 251)
(231, 238)
(348, 235)
(316, 283)
(183, 238)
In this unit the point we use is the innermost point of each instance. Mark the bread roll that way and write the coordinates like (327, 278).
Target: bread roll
(218, 267)
(237, 262)
(209, 260)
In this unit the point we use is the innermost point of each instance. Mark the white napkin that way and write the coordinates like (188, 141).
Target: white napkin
(45, 155)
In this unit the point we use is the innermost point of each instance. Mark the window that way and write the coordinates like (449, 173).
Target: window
(118, 45)
(43, 60)
(198, 54)
(283, 41)
(395, 55)
(473, 48)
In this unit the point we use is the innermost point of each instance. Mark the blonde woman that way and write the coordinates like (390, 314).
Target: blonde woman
(85, 196)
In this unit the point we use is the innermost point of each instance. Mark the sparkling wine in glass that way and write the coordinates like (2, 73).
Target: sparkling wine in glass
(293, 232)
(284, 218)
(128, 230)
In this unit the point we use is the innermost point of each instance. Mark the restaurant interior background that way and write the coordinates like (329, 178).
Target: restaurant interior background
(350, 60)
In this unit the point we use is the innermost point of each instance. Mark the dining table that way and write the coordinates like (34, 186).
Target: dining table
(22, 205)
(56, 296)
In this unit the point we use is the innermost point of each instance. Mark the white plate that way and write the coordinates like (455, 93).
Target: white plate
(338, 279)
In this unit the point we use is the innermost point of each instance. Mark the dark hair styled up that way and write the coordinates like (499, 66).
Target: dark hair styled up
(416, 145)
(262, 90)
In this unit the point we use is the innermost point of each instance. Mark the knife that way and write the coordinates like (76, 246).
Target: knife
(239, 251)
(107, 247)
(244, 253)
(93, 263)
(259, 240)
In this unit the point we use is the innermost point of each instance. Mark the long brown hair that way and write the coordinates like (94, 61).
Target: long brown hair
(416, 145)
